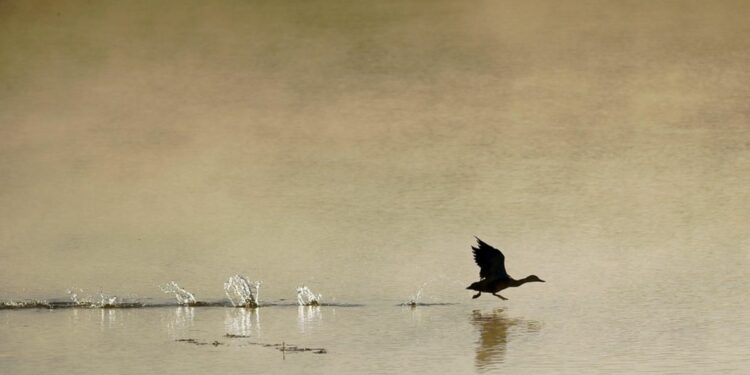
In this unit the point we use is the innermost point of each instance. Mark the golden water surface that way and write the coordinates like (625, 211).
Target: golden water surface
(357, 147)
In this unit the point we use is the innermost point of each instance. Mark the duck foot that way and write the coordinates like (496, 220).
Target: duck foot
(499, 296)
(477, 295)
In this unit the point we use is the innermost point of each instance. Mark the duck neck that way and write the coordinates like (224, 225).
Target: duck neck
(521, 281)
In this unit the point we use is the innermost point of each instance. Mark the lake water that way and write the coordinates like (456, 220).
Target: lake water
(551, 328)
(357, 148)
(591, 320)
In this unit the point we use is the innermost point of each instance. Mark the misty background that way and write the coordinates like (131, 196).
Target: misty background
(358, 146)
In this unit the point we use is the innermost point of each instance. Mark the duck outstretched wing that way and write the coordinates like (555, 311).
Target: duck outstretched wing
(490, 260)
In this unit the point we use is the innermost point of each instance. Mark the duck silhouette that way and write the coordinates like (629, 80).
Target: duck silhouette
(492, 274)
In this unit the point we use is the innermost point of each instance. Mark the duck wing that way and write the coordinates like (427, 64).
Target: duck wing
(490, 260)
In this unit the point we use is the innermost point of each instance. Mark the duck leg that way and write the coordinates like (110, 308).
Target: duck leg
(499, 296)
(477, 295)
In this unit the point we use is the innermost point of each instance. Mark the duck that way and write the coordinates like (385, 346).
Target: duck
(492, 274)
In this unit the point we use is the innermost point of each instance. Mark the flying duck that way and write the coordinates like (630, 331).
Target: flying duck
(492, 275)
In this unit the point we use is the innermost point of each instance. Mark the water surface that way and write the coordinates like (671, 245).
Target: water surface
(356, 148)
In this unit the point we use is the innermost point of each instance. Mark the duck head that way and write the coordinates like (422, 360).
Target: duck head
(531, 278)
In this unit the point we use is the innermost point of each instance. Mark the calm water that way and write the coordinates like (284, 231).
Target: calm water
(357, 147)
(590, 320)
(612, 330)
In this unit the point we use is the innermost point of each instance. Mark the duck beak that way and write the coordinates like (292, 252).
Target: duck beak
(542, 280)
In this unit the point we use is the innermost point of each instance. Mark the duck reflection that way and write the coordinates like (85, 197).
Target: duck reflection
(495, 330)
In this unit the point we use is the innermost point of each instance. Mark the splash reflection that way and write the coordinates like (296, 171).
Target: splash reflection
(181, 321)
(242, 322)
(109, 318)
(495, 331)
(308, 316)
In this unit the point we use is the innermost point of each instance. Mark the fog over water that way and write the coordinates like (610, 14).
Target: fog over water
(358, 147)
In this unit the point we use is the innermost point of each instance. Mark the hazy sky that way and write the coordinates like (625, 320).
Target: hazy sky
(145, 141)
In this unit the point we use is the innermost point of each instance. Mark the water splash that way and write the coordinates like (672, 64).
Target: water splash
(415, 299)
(102, 300)
(183, 296)
(306, 297)
(79, 301)
(241, 292)
(105, 300)
(25, 304)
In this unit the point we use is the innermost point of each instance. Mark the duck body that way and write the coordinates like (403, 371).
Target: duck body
(490, 285)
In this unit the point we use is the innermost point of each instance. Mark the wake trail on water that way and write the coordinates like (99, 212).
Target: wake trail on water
(240, 292)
